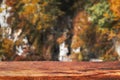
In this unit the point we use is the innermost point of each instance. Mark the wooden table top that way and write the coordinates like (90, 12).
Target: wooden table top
(49, 70)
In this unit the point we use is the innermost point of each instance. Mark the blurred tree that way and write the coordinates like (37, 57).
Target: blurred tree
(33, 17)
(100, 30)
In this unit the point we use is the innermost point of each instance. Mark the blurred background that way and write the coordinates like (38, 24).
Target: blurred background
(59, 30)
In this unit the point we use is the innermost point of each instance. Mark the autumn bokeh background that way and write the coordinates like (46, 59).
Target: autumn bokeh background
(34, 29)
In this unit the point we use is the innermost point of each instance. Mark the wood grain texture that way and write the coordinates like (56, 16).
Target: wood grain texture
(59, 70)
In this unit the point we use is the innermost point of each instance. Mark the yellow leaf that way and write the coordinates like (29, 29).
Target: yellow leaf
(34, 1)
(44, 4)
(39, 27)
(106, 15)
(111, 35)
(35, 17)
(29, 9)
(25, 1)
(1, 10)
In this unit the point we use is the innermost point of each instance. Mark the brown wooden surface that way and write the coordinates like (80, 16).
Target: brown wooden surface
(59, 71)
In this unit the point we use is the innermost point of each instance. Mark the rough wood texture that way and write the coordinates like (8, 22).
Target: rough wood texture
(59, 71)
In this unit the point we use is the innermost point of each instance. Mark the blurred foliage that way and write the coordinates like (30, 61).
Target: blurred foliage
(95, 25)
(33, 17)
(114, 6)
(99, 28)
(100, 13)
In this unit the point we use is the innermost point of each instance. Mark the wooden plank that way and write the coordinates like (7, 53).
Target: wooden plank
(59, 70)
